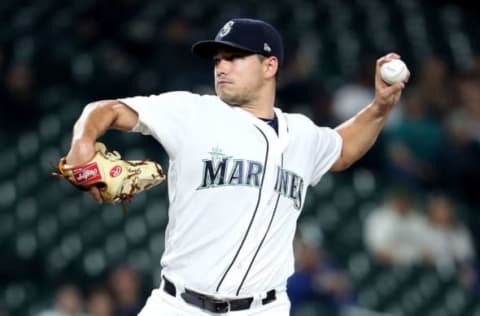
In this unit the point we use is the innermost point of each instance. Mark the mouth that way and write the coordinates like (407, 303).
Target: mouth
(223, 82)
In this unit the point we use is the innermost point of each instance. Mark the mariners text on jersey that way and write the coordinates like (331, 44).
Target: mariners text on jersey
(228, 171)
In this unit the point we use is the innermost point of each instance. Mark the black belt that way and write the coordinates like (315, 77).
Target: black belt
(212, 304)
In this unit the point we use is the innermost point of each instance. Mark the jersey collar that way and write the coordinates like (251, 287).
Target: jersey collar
(281, 140)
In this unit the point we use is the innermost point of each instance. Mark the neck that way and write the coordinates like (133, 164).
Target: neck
(261, 107)
(266, 113)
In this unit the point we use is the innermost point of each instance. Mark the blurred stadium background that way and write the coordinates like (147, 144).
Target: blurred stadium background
(56, 56)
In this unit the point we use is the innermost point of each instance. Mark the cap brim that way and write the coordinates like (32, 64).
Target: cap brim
(208, 49)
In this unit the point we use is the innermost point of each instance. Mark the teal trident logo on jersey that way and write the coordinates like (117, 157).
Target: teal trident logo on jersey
(222, 170)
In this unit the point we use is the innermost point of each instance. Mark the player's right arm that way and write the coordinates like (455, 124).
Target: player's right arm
(95, 120)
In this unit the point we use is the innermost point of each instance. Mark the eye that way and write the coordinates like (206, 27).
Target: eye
(228, 57)
(235, 56)
(216, 60)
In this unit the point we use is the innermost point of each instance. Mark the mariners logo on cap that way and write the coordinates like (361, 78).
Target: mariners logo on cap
(267, 48)
(226, 29)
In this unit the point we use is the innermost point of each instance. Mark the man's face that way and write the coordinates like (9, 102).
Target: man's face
(238, 76)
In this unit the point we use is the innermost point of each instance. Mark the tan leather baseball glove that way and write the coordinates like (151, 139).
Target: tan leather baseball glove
(118, 180)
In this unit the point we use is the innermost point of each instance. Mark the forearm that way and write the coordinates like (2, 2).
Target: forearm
(100, 116)
(94, 121)
(359, 134)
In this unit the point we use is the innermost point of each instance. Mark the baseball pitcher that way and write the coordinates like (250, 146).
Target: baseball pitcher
(239, 170)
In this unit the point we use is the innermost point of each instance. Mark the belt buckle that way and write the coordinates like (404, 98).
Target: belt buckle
(221, 306)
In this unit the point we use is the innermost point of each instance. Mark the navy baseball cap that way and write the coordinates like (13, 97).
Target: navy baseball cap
(248, 35)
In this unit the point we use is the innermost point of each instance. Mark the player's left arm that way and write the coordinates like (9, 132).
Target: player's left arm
(361, 131)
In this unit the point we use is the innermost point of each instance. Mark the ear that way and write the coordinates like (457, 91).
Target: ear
(270, 66)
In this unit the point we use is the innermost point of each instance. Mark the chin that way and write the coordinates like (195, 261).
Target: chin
(226, 98)
(231, 99)
(228, 101)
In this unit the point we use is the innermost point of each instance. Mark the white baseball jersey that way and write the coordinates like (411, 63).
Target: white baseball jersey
(236, 189)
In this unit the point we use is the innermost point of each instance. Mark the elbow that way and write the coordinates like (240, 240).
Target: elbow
(88, 110)
(351, 153)
(104, 105)
(341, 164)
(348, 157)
(86, 114)
(98, 108)
(96, 117)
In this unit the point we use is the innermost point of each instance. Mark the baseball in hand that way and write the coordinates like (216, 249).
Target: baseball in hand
(394, 71)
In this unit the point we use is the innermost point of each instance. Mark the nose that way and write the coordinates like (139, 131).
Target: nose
(222, 66)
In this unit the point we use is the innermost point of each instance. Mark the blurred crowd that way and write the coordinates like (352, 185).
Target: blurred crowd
(432, 138)
(428, 155)
(318, 280)
(120, 295)
(401, 232)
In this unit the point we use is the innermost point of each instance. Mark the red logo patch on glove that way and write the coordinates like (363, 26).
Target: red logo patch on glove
(115, 171)
(87, 174)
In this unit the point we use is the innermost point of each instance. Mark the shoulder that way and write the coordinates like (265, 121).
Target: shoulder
(298, 118)
(185, 97)
(302, 125)
(189, 96)
(299, 123)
